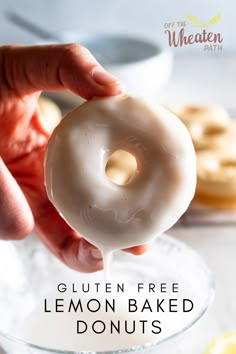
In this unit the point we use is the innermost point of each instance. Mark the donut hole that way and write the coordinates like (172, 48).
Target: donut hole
(193, 110)
(213, 130)
(229, 164)
(121, 167)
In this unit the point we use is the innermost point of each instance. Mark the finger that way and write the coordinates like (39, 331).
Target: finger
(50, 228)
(64, 242)
(16, 219)
(56, 67)
(137, 250)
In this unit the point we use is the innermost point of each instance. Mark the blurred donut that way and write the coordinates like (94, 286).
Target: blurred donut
(189, 113)
(50, 112)
(216, 179)
(208, 134)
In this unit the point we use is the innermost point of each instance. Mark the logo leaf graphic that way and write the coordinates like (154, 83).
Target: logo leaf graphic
(215, 19)
(201, 25)
(193, 19)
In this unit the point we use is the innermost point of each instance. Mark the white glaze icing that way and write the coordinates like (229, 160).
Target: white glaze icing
(106, 214)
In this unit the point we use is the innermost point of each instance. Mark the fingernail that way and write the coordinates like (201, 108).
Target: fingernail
(102, 77)
(96, 254)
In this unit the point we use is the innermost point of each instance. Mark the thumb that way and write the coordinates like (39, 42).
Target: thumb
(56, 67)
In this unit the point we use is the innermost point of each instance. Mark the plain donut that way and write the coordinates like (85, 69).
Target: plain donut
(190, 113)
(216, 184)
(210, 134)
(106, 214)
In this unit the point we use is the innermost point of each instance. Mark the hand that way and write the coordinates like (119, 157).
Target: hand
(24, 206)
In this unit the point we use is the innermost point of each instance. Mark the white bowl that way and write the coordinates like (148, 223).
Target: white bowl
(142, 65)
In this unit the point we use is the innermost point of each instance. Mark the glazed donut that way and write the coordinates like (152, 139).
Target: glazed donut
(50, 113)
(210, 134)
(106, 214)
(216, 179)
(190, 113)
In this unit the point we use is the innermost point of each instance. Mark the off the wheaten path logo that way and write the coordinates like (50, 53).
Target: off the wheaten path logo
(177, 37)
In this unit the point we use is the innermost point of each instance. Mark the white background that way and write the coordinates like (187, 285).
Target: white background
(141, 17)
